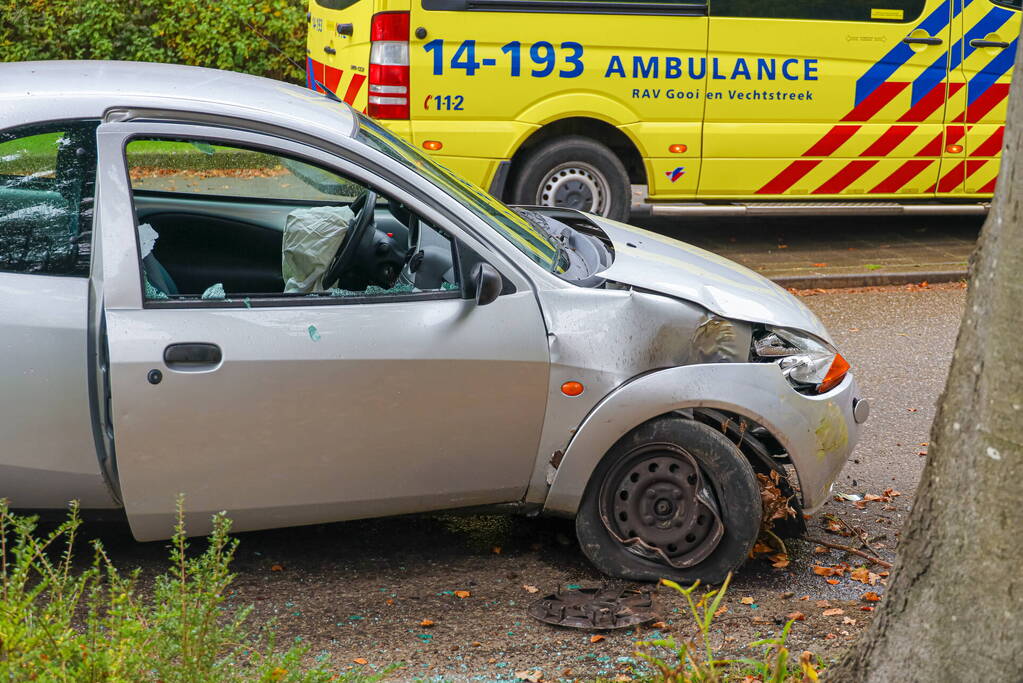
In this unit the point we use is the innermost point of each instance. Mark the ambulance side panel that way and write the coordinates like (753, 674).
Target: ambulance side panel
(990, 35)
(835, 101)
(487, 75)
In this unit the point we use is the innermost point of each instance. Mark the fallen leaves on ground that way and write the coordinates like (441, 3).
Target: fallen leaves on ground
(836, 527)
(877, 288)
(597, 639)
(277, 568)
(426, 623)
(864, 575)
(871, 596)
(362, 661)
(775, 504)
(462, 594)
(837, 570)
(496, 550)
(833, 612)
(721, 610)
(530, 589)
(747, 601)
(529, 676)
(796, 616)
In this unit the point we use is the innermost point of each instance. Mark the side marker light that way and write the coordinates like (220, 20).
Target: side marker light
(954, 149)
(571, 388)
(432, 145)
(678, 149)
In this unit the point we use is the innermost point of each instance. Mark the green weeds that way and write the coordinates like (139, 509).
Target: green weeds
(61, 623)
(695, 661)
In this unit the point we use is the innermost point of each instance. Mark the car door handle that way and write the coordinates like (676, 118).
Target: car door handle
(329, 50)
(922, 41)
(192, 356)
(345, 29)
(978, 42)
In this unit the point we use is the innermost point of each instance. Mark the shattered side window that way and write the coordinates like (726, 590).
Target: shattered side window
(47, 182)
(217, 222)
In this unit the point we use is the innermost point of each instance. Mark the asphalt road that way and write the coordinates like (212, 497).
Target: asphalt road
(361, 589)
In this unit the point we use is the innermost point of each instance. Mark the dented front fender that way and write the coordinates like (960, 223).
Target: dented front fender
(818, 432)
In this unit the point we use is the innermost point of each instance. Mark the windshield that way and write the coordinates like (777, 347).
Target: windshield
(528, 238)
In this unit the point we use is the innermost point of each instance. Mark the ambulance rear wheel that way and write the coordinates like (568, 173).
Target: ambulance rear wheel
(575, 172)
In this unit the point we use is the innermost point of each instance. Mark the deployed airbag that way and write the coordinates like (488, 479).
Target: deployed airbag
(311, 238)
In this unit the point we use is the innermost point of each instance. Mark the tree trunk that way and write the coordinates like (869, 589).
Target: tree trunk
(954, 609)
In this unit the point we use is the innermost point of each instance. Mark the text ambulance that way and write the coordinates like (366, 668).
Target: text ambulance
(719, 107)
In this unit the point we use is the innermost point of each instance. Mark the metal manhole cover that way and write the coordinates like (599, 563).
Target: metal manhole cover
(595, 608)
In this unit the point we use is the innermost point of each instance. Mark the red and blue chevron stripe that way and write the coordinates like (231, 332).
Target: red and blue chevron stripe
(928, 93)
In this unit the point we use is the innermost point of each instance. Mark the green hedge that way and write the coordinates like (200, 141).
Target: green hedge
(209, 33)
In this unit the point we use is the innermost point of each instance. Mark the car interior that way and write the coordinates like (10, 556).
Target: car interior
(274, 227)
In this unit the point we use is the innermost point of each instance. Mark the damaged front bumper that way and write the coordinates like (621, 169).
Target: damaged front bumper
(820, 441)
(818, 432)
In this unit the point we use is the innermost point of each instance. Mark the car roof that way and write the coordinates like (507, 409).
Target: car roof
(58, 90)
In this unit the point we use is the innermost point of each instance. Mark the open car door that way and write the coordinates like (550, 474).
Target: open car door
(291, 409)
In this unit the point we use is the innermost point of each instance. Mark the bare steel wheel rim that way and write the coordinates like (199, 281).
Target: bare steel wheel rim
(658, 503)
(575, 185)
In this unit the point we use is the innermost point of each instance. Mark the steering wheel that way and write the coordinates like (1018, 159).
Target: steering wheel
(363, 207)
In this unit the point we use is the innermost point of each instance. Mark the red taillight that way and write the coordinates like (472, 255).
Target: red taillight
(389, 66)
(390, 26)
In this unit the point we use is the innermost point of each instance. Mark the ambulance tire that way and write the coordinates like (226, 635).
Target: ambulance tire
(725, 470)
(573, 171)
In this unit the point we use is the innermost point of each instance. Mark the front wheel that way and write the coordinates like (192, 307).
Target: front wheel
(575, 172)
(673, 499)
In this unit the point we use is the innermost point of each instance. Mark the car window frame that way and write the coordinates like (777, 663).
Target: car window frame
(217, 136)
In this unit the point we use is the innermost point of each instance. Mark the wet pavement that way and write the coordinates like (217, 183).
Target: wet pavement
(362, 590)
(810, 252)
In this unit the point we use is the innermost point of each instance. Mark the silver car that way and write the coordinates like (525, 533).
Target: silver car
(245, 292)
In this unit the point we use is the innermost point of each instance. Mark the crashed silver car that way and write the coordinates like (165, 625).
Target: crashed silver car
(244, 292)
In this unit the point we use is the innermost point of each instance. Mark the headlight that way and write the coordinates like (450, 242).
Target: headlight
(810, 364)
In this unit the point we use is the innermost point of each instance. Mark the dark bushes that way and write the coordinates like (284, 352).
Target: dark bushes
(210, 33)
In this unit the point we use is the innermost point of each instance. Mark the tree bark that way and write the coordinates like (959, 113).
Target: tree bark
(954, 609)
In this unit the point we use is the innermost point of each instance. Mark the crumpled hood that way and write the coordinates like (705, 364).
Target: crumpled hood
(657, 263)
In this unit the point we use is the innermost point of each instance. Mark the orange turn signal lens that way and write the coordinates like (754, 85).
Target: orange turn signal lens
(678, 149)
(432, 145)
(836, 373)
(571, 388)
(954, 149)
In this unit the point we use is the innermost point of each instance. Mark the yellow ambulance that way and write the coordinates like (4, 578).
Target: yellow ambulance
(716, 106)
